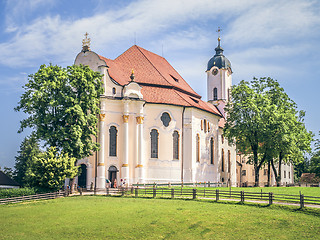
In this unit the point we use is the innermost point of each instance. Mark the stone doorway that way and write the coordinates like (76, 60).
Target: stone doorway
(112, 175)
(82, 179)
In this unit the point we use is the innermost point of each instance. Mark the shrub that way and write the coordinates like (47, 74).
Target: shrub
(17, 192)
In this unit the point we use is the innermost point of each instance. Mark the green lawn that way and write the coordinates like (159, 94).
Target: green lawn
(99, 217)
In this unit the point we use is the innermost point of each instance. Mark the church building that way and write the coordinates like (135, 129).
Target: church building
(153, 126)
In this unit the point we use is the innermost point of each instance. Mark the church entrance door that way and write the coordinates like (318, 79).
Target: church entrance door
(82, 179)
(113, 175)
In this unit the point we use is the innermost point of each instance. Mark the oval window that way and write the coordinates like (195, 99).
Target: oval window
(166, 119)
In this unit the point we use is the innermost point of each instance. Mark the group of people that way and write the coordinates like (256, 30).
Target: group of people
(114, 184)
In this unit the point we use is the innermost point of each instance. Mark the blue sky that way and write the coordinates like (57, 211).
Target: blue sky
(280, 39)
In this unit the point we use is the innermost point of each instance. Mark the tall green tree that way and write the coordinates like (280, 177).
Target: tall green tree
(314, 166)
(63, 106)
(49, 169)
(29, 148)
(245, 121)
(265, 123)
(288, 140)
(8, 171)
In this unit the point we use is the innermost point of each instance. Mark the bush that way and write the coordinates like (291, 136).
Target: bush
(17, 192)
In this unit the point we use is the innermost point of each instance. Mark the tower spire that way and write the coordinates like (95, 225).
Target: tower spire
(219, 39)
(219, 49)
(86, 43)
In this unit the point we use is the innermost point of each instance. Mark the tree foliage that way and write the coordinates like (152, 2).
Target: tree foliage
(265, 124)
(8, 171)
(49, 169)
(29, 148)
(63, 106)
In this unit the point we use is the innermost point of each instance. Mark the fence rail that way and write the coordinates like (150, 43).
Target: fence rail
(217, 194)
(42, 196)
(191, 193)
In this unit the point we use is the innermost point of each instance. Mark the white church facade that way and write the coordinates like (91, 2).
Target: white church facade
(154, 127)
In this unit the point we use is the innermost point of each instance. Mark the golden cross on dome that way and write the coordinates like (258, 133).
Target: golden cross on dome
(218, 31)
(86, 43)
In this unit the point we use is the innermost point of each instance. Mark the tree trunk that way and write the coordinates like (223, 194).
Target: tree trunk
(274, 170)
(279, 172)
(269, 161)
(256, 168)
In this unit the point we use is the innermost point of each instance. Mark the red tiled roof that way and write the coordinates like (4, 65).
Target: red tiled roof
(160, 82)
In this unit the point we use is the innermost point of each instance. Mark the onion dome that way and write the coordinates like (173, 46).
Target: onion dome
(219, 60)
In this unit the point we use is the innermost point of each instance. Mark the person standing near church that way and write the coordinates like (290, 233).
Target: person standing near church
(115, 183)
(107, 183)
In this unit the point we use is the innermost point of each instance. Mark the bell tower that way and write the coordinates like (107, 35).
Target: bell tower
(219, 79)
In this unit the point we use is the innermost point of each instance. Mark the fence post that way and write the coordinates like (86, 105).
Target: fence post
(136, 192)
(131, 190)
(80, 189)
(172, 192)
(108, 191)
(154, 192)
(194, 193)
(242, 196)
(301, 200)
(270, 198)
(261, 193)
(217, 194)
(204, 192)
(208, 183)
(122, 191)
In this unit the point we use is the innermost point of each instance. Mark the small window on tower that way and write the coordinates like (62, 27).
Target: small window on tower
(114, 91)
(215, 94)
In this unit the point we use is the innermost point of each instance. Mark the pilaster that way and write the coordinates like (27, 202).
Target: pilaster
(101, 177)
(140, 167)
(125, 162)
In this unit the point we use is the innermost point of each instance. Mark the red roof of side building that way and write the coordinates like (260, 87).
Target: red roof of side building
(160, 82)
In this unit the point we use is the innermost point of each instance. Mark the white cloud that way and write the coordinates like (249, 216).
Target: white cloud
(273, 21)
(17, 11)
(53, 39)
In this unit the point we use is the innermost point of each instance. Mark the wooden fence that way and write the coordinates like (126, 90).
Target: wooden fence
(217, 195)
(43, 196)
(179, 184)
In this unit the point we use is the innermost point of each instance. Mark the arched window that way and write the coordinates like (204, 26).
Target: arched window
(222, 160)
(154, 143)
(215, 94)
(113, 141)
(175, 137)
(201, 125)
(205, 125)
(198, 148)
(211, 151)
(113, 91)
(229, 161)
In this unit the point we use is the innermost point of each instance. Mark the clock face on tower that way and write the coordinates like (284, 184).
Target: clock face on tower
(215, 71)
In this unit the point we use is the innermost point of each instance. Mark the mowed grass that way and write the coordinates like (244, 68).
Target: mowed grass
(100, 217)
